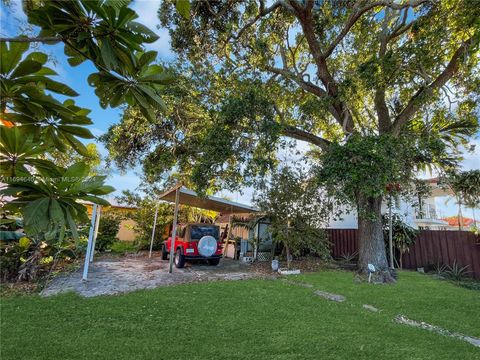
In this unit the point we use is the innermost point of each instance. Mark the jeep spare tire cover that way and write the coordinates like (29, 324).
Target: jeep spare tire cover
(207, 246)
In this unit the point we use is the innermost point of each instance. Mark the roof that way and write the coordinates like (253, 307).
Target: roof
(437, 189)
(191, 198)
(453, 221)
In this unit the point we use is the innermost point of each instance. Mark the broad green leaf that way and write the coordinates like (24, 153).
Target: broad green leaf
(108, 54)
(26, 67)
(103, 190)
(36, 216)
(77, 130)
(76, 144)
(183, 8)
(78, 170)
(163, 78)
(38, 57)
(11, 57)
(95, 200)
(148, 35)
(75, 61)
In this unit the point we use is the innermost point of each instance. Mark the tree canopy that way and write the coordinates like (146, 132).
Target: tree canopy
(313, 71)
(379, 89)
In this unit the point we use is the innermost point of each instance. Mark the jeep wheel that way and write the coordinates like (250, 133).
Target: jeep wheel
(164, 252)
(179, 259)
(214, 262)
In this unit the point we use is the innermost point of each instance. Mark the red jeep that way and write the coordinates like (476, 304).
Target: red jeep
(195, 242)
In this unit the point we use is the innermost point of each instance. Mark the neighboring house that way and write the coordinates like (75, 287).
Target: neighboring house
(125, 231)
(453, 223)
(421, 215)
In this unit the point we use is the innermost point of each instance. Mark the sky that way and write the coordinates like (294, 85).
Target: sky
(12, 18)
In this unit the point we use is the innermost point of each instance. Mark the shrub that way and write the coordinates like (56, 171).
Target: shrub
(107, 231)
(296, 212)
(28, 260)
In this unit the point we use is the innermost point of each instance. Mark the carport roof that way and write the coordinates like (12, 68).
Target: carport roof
(191, 198)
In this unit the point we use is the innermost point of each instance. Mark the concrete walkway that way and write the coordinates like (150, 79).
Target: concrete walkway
(124, 274)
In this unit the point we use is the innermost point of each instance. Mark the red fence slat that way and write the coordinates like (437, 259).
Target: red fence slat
(431, 247)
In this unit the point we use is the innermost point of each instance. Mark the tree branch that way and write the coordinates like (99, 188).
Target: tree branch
(358, 12)
(421, 95)
(263, 12)
(342, 113)
(298, 134)
(42, 39)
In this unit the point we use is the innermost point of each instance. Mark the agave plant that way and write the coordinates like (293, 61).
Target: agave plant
(48, 199)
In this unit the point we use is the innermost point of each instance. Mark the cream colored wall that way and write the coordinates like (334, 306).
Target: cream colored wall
(125, 231)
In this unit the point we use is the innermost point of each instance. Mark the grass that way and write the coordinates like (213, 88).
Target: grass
(122, 247)
(260, 319)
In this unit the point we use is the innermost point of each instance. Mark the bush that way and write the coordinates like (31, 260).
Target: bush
(28, 260)
(122, 247)
(107, 231)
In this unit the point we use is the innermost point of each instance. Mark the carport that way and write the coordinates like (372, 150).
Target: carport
(177, 195)
(181, 195)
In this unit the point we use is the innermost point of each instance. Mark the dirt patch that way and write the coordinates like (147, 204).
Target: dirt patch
(114, 275)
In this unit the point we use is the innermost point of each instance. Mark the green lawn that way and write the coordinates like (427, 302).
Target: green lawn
(259, 319)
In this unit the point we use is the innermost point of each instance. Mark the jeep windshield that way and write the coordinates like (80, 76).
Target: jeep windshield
(198, 231)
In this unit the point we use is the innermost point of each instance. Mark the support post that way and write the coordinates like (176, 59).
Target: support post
(174, 230)
(95, 233)
(90, 243)
(390, 232)
(153, 231)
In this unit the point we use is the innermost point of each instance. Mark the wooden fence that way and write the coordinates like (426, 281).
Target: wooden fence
(431, 247)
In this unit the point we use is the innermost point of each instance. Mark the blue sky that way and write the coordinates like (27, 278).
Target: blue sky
(12, 18)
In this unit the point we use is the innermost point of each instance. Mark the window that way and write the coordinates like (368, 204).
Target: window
(199, 231)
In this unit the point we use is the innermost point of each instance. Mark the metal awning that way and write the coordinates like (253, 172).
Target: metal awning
(430, 222)
(191, 198)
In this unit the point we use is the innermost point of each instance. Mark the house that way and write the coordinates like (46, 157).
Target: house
(454, 223)
(420, 214)
(126, 228)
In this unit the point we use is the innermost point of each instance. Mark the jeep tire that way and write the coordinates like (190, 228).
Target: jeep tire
(179, 259)
(164, 252)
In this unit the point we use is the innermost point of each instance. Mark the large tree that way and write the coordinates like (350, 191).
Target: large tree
(369, 84)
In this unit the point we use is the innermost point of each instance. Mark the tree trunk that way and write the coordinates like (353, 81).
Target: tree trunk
(289, 257)
(371, 243)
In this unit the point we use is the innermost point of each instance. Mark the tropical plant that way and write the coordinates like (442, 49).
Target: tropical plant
(105, 33)
(403, 235)
(457, 272)
(466, 187)
(48, 199)
(349, 257)
(36, 126)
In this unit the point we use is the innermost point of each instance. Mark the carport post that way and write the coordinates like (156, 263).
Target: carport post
(89, 243)
(95, 233)
(153, 231)
(174, 230)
